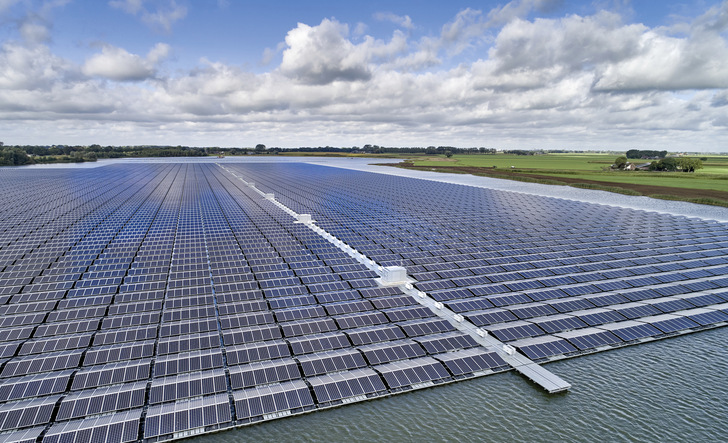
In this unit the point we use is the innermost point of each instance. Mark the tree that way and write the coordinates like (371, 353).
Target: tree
(666, 164)
(14, 157)
(620, 162)
(448, 154)
(636, 153)
(259, 148)
(688, 164)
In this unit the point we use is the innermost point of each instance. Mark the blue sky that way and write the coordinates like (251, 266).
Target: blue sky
(552, 74)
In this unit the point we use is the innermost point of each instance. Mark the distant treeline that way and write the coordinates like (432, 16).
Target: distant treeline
(28, 155)
(637, 153)
(376, 149)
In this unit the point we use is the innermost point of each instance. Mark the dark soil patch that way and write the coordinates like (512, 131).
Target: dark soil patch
(663, 191)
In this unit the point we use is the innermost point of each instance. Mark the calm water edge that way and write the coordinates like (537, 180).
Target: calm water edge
(673, 390)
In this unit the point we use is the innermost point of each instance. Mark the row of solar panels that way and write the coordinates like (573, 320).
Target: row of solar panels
(139, 342)
(545, 316)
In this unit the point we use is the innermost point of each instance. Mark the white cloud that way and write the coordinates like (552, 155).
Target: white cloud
(117, 64)
(519, 9)
(322, 54)
(467, 27)
(162, 15)
(34, 32)
(158, 53)
(31, 68)
(399, 20)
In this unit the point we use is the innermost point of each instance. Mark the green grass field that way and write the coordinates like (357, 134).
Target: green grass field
(714, 175)
(586, 162)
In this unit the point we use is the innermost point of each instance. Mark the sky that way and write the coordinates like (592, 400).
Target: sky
(525, 74)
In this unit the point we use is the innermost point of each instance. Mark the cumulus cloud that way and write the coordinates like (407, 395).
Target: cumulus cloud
(117, 64)
(665, 62)
(322, 54)
(31, 68)
(620, 57)
(162, 15)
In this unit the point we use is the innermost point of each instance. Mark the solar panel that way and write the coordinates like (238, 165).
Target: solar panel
(173, 418)
(331, 361)
(263, 373)
(632, 330)
(704, 316)
(28, 435)
(186, 385)
(374, 334)
(318, 342)
(111, 374)
(332, 388)
(635, 310)
(470, 361)
(386, 352)
(490, 317)
(120, 427)
(589, 338)
(669, 323)
(102, 400)
(558, 323)
(53, 361)
(36, 385)
(515, 330)
(25, 413)
(408, 373)
(539, 348)
(261, 401)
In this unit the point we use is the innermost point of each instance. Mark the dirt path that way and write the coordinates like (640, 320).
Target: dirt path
(642, 189)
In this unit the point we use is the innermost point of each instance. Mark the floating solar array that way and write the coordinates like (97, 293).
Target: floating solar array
(147, 302)
(157, 301)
